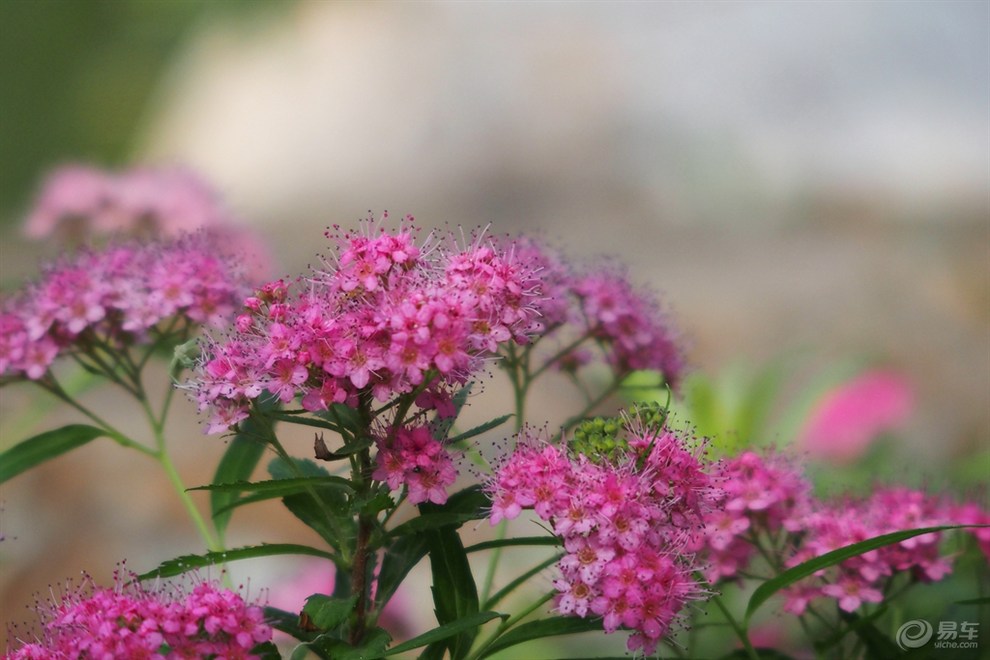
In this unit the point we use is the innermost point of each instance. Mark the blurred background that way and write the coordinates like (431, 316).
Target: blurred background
(806, 184)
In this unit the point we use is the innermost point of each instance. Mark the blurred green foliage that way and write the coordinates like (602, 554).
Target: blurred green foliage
(76, 77)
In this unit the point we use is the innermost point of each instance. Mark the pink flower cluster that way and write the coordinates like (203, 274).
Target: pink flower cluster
(861, 579)
(630, 325)
(412, 457)
(387, 318)
(81, 199)
(760, 495)
(124, 294)
(130, 622)
(627, 327)
(625, 521)
(766, 500)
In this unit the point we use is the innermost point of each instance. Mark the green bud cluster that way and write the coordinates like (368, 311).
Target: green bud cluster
(599, 438)
(651, 414)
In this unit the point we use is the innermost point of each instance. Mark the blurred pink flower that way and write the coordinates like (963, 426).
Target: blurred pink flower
(850, 416)
(77, 202)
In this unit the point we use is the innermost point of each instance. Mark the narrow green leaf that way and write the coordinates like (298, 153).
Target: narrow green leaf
(400, 558)
(445, 631)
(974, 601)
(481, 428)
(279, 487)
(327, 612)
(180, 565)
(324, 510)
(441, 427)
(266, 490)
(876, 643)
(306, 421)
(522, 540)
(43, 447)
(372, 647)
(812, 566)
(551, 627)
(237, 464)
(455, 594)
(519, 581)
(430, 521)
(266, 651)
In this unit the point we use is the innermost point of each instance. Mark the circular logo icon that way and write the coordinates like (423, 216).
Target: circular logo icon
(914, 634)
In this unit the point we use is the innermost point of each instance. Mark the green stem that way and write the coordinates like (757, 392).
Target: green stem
(739, 630)
(110, 430)
(180, 489)
(504, 626)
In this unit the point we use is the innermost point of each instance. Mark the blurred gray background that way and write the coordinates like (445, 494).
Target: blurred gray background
(795, 177)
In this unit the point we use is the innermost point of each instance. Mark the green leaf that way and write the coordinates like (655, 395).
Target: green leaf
(428, 521)
(455, 594)
(324, 510)
(551, 627)
(522, 540)
(812, 566)
(372, 647)
(266, 490)
(481, 428)
(237, 464)
(441, 427)
(400, 558)
(185, 563)
(974, 601)
(877, 644)
(326, 612)
(43, 447)
(345, 417)
(445, 631)
(266, 651)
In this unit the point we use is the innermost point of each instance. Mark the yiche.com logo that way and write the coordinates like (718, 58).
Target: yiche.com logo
(914, 634)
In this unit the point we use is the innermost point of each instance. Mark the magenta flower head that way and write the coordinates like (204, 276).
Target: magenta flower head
(861, 579)
(626, 498)
(78, 203)
(126, 294)
(852, 415)
(760, 493)
(386, 317)
(80, 200)
(129, 621)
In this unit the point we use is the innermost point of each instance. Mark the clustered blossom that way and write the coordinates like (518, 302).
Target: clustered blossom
(760, 495)
(861, 579)
(412, 457)
(766, 500)
(387, 317)
(123, 294)
(625, 520)
(81, 199)
(596, 312)
(631, 326)
(131, 622)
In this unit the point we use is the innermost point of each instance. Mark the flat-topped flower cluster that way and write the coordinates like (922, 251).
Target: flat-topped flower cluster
(766, 508)
(124, 294)
(128, 621)
(626, 505)
(387, 317)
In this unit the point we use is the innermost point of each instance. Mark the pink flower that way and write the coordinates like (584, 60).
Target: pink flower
(385, 317)
(849, 417)
(411, 456)
(625, 521)
(128, 294)
(128, 621)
